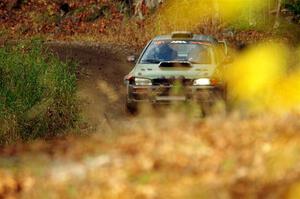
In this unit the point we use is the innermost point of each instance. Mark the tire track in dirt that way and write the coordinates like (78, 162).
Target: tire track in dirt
(100, 79)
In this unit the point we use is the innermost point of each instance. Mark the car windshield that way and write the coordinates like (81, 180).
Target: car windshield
(163, 51)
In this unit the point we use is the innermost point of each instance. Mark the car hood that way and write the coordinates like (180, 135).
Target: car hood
(153, 71)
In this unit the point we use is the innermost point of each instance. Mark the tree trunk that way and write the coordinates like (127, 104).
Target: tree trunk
(149, 4)
(277, 23)
(129, 5)
(138, 9)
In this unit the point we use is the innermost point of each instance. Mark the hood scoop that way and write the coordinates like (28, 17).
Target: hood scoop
(175, 64)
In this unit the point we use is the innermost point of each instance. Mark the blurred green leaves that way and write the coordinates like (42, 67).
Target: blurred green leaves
(37, 92)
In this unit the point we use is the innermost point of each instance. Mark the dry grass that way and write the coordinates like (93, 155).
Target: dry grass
(168, 157)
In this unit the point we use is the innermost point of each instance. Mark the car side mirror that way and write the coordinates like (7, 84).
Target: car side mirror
(131, 58)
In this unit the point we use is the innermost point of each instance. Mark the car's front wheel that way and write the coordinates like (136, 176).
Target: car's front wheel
(131, 107)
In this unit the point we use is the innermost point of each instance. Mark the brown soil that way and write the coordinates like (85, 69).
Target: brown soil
(100, 80)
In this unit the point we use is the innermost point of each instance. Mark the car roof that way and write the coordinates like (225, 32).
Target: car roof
(196, 37)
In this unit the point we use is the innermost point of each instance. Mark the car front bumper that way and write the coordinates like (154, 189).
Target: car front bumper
(168, 94)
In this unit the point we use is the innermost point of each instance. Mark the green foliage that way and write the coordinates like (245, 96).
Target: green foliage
(37, 92)
(294, 7)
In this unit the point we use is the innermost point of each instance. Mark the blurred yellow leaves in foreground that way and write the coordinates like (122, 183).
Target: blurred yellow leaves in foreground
(265, 77)
(185, 14)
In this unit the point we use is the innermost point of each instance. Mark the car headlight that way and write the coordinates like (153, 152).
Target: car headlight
(142, 81)
(202, 82)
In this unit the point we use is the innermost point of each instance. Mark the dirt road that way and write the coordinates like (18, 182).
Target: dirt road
(100, 79)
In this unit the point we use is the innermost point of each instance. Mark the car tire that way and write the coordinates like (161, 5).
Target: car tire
(131, 107)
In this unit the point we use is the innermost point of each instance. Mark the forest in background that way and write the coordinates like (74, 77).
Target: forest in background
(114, 20)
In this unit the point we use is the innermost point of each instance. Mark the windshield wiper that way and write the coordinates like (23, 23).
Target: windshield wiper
(152, 61)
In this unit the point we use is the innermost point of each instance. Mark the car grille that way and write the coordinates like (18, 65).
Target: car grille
(172, 81)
